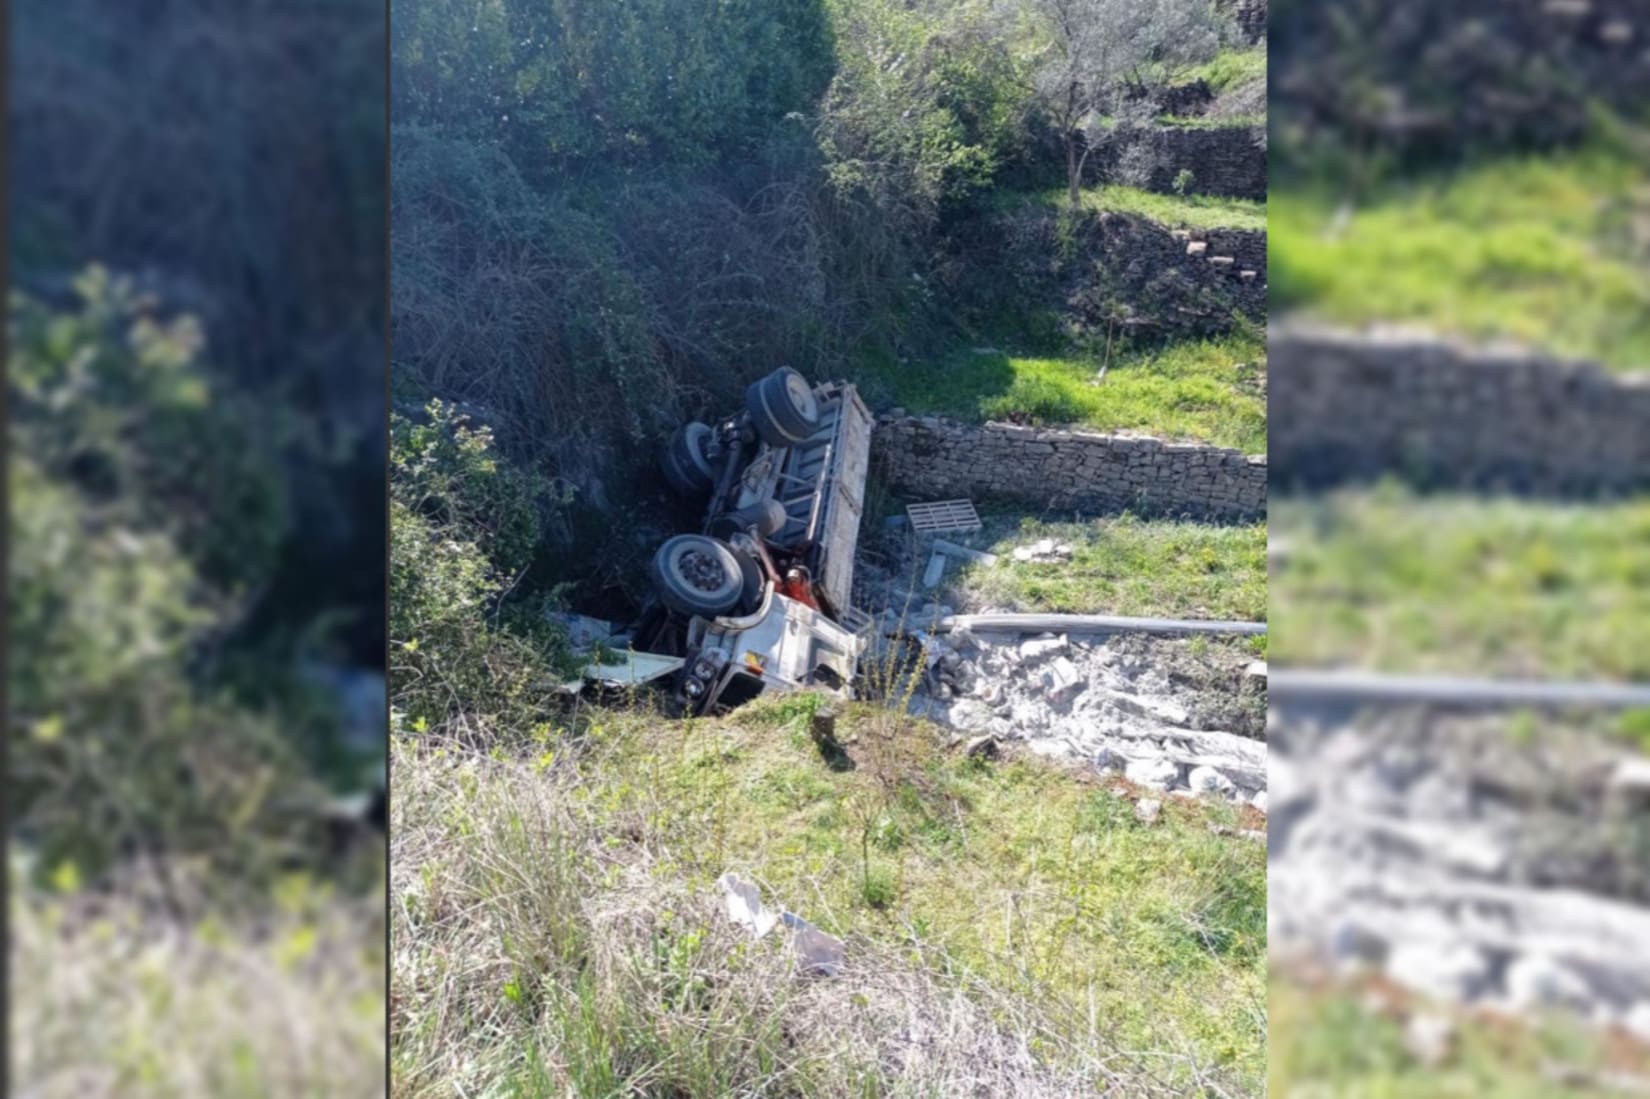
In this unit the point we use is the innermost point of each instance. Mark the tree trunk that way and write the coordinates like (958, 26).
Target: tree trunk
(1074, 171)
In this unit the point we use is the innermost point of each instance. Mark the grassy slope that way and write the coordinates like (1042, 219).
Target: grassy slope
(1038, 891)
(1229, 68)
(1123, 565)
(1173, 211)
(1324, 1041)
(1549, 250)
(1391, 580)
(1201, 390)
(124, 1003)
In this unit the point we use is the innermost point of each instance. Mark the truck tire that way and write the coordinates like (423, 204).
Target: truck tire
(782, 408)
(697, 575)
(750, 592)
(685, 466)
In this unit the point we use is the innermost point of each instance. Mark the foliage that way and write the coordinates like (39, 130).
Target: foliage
(290, 1004)
(560, 896)
(1346, 1038)
(1126, 564)
(1179, 211)
(1100, 61)
(144, 507)
(1548, 250)
(1204, 390)
(1229, 69)
(1392, 580)
(925, 107)
(463, 526)
(231, 157)
(566, 85)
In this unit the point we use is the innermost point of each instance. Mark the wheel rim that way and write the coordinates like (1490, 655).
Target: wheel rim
(701, 570)
(801, 395)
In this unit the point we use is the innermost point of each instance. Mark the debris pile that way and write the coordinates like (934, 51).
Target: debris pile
(1157, 712)
(1465, 861)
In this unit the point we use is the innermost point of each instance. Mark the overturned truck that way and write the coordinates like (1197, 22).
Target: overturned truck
(758, 597)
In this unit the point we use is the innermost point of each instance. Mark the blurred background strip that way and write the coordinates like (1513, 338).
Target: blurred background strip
(196, 715)
(1459, 855)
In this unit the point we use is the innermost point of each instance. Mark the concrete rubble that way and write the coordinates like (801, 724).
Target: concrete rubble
(1120, 703)
(1473, 867)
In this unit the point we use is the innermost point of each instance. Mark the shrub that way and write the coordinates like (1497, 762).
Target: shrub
(463, 526)
(144, 509)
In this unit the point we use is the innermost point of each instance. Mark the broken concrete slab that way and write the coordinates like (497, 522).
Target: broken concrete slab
(952, 549)
(935, 572)
(1061, 679)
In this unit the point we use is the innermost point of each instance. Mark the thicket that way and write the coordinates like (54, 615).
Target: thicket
(609, 218)
(148, 509)
(231, 157)
(464, 527)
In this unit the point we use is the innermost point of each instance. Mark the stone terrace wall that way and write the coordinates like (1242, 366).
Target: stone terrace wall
(1223, 160)
(1345, 407)
(1050, 469)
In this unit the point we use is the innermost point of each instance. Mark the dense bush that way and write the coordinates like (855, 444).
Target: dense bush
(576, 85)
(232, 156)
(467, 659)
(146, 507)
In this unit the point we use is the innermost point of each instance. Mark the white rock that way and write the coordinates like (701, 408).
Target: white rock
(1429, 1038)
(1154, 774)
(1259, 801)
(1146, 810)
(1446, 971)
(1039, 647)
(1537, 981)
(969, 714)
(1061, 679)
(1637, 1021)
(1207, 780)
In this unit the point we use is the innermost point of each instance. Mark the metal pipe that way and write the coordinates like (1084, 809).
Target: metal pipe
(1090, 623)
(1308, 684)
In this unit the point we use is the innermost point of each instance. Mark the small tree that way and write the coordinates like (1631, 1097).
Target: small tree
(1097, 55)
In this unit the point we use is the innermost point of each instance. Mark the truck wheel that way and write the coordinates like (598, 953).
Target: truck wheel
(783, 408)
(751, 581)
(684, 463)
(697, 575)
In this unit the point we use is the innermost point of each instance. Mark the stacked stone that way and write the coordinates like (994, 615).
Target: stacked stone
(1223, 160)
(1046, 468)
(1350, 406)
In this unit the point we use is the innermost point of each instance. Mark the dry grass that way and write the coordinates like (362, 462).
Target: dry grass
(555, 929)
(111, 999)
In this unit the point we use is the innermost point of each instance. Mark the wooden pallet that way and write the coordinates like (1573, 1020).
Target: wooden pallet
(943, 516)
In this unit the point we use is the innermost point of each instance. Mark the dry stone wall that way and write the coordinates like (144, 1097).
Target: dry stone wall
(1350, 407)
(1051, 469)
(1222, 160)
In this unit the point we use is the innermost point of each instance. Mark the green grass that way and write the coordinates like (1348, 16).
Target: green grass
(1326, 1041)
(1173, 211)
(1229, 69)
(556, 915)
(1201, 390)
(122, 1000)
(1123, 565)
(1550, 251)
(1390, 580)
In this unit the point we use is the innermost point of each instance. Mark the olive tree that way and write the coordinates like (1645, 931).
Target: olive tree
(1094, 58)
